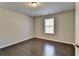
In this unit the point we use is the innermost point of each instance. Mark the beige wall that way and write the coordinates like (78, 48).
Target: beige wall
(77, 28)
(65, 28)
(14, 27)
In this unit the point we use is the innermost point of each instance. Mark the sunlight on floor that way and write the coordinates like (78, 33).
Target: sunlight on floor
(49, 50)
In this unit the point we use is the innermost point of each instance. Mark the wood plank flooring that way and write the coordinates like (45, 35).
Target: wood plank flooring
(39, 47)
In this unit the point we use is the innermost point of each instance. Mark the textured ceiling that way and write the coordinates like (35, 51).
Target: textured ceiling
(44, 8)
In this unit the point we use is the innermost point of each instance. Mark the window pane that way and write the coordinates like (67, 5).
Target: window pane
(49, 26)
(49, 29)
(49, 22)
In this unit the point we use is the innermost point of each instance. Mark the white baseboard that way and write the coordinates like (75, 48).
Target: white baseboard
(30, 38)
(57, 41)
(14, 43)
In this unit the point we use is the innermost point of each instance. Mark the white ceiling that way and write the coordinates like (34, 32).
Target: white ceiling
(45, 8)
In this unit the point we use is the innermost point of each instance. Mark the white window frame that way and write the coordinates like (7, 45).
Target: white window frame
(53, 26)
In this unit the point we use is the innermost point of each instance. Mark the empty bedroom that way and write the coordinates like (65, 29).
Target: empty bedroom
(37, 29)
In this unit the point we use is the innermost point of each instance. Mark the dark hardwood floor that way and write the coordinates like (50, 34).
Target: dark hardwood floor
(39, 47)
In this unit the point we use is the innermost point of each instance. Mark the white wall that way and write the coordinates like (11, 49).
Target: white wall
(77, 28)
(65, 27)
(14, 27)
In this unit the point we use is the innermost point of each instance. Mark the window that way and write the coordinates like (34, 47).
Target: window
(49, 26)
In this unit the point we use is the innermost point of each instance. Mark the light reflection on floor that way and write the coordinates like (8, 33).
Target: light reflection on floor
(39, 47)
(49, 50)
